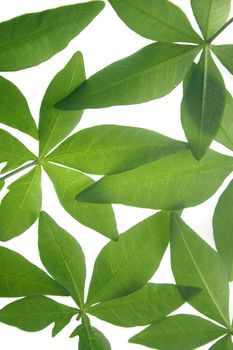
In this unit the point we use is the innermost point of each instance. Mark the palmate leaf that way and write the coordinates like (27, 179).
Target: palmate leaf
(55, 125)
(224, 343)
(147, 305)
(13, 152)
(62, 256)
(35, 313)
(14, 110)
(125, 266)
(69, 182)
(191, 258)
(203, 104)
(21, 206)
(225, 133)
(211, 15)
(158, 20)
(148, 74)
(223, 228)
(108, 149)
(19, 277)
(33, 38)
(175, 182)
(225, 55)
(180, 332)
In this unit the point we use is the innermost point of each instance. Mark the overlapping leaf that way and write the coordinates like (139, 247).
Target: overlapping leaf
(33, 38)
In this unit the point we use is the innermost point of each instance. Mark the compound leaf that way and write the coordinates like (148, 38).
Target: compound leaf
(211, 15)
(158, 20)
(225, 55)
(148, 74)
(203, 104)
(13, 152)
(225, 133)
(180, 332)
(62, 256)
(69, 182)
(147, 305)
(35, 313)
(55, 125)
(19, 277)
(191, 258)
(175, 182)
(125, 266)
(223, 228)
(108, 149)
(33, 38)
(21, 206)
(14, 109)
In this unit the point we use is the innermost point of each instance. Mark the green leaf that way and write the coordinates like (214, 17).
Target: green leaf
(33, 38)
(225, 133)
(158, 20)
(223, 344)
(147, 305)
(35, 313)
(13, 152)
(55, 125)
(1, 184)
(21, 206)
(191, 258)
(69, 182)
(14, 109)
(91, 338)
(125, 266)
(223, 228)
(180, 332)
(211, 15)
(225, 55)
(107, 149)
(62, 256)
(148, 74)
(19, 277)
(175, 182)
(203, 104)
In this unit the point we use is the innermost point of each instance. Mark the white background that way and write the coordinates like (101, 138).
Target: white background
(104, 41)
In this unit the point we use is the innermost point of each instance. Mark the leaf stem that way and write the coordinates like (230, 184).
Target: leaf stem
(18, 170)
(220, 30)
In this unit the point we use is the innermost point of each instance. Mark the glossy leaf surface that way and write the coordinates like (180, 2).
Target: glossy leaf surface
(107, 149)
(180, 332)
(55, 125)
(21, 206)
(175, 182)
(62, 256)
(158, 20)
(125, 266)
(33, 38)
(19, 277)
(150, 73)
(191, 258)
(69, 182)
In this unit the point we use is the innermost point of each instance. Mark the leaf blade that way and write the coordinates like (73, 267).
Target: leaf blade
(224, 54)
(203, 105)
(55, 125)
(22, 37)
(224, 343)
(144, 186)
(225, 133)
(159, 21)
(211, 15)
(197, 256)
(98, 217)
(148, 74)
(180, 332)
(21, 206)
(62, 256)
(114, 270)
